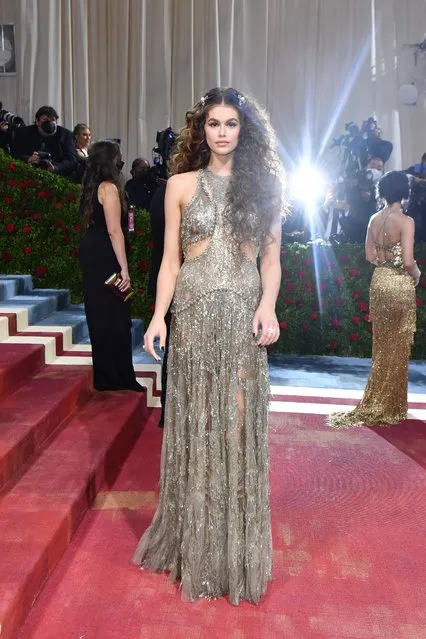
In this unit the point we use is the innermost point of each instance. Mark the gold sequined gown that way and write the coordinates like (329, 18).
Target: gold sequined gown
(393, 315)
(212, 527)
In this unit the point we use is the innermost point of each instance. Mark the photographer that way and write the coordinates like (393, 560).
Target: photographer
(141, 187)
(417, 202)
(45, 144)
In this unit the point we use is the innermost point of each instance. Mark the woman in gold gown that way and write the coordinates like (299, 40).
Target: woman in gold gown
(389, 246)
(223, 210)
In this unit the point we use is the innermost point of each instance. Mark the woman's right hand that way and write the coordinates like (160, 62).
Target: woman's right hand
(156, 328)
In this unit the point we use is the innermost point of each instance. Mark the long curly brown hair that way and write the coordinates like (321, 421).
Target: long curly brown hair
(101, 166)
(257, 183)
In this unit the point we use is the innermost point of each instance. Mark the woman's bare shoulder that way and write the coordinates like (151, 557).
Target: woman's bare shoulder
(183, 186)
(107, 189)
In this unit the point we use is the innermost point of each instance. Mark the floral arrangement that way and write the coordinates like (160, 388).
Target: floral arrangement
(323, 302)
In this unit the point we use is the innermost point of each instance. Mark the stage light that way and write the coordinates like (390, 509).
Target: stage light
(307, 185)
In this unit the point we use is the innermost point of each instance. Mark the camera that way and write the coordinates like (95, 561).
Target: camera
(11, 119)
(161, 152)
(45, 158)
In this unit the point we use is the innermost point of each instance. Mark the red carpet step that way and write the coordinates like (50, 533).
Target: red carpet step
(42, 507)
(31, 414)
(17, 362)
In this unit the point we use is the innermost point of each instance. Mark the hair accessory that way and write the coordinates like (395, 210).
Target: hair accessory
(203, 100)
(241, 99)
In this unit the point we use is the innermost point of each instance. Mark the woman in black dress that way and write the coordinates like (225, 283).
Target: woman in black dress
(103, 251)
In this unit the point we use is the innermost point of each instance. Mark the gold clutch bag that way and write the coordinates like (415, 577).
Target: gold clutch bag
(113, 282)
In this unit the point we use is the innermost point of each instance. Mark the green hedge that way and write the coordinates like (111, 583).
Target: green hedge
(323, 302)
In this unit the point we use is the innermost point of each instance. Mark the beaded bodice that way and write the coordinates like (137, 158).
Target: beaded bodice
(222, 264)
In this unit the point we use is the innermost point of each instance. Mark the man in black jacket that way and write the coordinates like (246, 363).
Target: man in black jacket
(45, 144)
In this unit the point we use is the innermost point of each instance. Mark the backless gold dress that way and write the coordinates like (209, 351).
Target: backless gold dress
(212, 527)
(393, 315)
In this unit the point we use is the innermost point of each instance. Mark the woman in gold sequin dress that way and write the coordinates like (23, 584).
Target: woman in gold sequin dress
(389, 246)
(223, 208)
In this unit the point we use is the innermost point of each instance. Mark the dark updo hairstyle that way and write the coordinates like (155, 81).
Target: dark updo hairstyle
(257, 171)
(101, 166)
(394, 186)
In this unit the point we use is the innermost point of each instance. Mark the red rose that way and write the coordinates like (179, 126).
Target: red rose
(345, 259)
(40, 271)
(339, 302)
(314, 316)
(77, 227)
(8, 200)
(339, 281)
(356, 295)
(42, 194)
(74, 252)
(419, 302)
(309, 286)
(58, 205)
(367, 318)
(66, 239)
(27, 213)
(309, 261)
(26, 229)
(151, 245)
(284, 325)
(354, 337)
(353, 272)
(301, 274)
(289, 286)
(10, 228)
(143, 266)
(324, 286)
(363, 307)
(333, 344)
(37, 216)
(57, 222)
(152, 308)
(69, 197)
(12, 166)
(304, 327)
(6, 256)
(27, 250)
(11, 182)
(420, 261)
(356, 320)
(335, 322)
(288, 301)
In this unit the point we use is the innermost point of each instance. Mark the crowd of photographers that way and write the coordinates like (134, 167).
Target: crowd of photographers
(49, 146)
(341, 216)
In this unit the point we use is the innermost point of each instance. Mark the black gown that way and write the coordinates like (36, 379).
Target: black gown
(108, 317)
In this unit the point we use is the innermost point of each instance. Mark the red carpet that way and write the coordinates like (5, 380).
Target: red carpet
(349, 524)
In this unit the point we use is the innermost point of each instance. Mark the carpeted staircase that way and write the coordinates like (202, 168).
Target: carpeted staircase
(59, 440)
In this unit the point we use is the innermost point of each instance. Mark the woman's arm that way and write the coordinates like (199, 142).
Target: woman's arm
(172, 255)
(407, 244)
(170, 266)
(270, 275)
(370, 247)
(109, 198)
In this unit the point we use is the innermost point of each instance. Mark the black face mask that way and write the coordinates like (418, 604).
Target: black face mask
(48, 127)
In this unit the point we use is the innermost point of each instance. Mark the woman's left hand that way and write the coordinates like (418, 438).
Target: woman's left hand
(266, 320)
